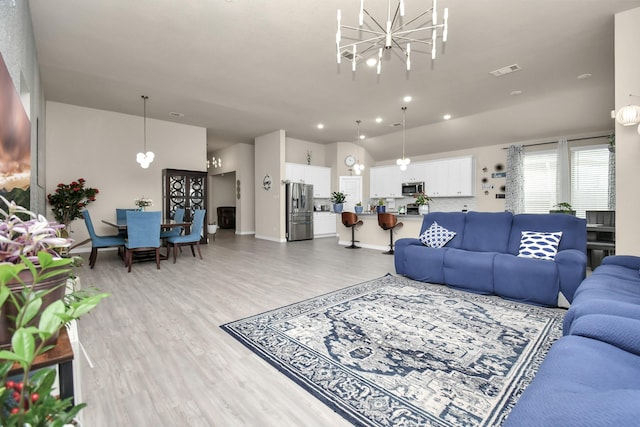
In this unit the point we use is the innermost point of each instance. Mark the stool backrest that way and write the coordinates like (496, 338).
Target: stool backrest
(387, 220)
(349, 219)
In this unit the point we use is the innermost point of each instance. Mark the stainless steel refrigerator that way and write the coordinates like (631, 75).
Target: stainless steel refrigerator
(299, 199)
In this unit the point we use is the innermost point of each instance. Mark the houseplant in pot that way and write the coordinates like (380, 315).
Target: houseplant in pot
(359, 207)
(33, 316)
(564, 208)
(422, 200)
(338, 198)
(381, 207)
(69, 200)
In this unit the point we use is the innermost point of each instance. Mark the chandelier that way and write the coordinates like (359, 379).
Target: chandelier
(145, 157)
(371, 38)
(628, 115)
(404, 161)
(216, 163)
(358, 167)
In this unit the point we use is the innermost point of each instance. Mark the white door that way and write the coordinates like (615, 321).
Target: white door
(351, 186)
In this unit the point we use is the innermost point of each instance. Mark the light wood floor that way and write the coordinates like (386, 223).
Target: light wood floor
(160, 358)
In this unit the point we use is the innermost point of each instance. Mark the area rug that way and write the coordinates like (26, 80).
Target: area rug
(396, 352)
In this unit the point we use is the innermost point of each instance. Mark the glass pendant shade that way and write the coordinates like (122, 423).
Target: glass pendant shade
(629, 115)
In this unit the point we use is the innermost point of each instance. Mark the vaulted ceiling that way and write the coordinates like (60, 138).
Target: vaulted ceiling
(246, 68)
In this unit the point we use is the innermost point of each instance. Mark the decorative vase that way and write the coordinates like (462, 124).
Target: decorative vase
(55, 284)
(141, 208)
(381, 209)
(423, 209)
(337, 207)
(359, 209)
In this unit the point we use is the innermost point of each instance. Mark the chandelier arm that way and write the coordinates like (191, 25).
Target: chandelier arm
(415, 19)
(375, 41)
(375, 21)
(366, 30)
(404, 33)
(408, 39)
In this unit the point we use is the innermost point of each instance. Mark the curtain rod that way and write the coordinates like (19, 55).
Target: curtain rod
(555, 142)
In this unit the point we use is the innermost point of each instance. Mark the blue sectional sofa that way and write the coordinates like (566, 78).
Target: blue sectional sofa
(482, 257)
(591, 376)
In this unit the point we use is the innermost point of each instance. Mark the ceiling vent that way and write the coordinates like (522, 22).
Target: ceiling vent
(348, 55)
(506, 70)
(396, 124)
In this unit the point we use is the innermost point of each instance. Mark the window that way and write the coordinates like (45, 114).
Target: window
(539, 181)
(589, 180)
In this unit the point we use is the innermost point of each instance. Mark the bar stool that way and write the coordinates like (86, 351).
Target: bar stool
(349, 219)
(388, 221)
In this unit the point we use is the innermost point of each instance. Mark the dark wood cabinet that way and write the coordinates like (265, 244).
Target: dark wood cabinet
(185, 189)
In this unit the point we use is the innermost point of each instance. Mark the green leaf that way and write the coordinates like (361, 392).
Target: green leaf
(85, 305)
(29, 311)
(23, 345)
(50, 322)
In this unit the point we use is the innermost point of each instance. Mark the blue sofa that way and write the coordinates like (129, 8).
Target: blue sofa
(482, 257)
(591, 376)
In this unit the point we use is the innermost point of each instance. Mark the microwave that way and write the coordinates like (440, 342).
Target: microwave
(412, 188)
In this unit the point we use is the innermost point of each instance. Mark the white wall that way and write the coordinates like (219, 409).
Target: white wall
(101, 146)
(627, 80)
(269, 208)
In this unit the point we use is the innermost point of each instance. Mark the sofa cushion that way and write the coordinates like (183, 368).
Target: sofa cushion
(532, 281)
(453, 221)
(424, 264)
(539, 245)
(574, 230)
(487, 231)
(436, 236)
(468, 270)
(582, 382)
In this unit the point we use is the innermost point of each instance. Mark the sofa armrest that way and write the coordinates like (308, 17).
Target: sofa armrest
(621, 332)
(572, 269)
(628, 261)
(398, 249)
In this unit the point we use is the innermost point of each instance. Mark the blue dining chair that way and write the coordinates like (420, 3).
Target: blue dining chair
(121, 216)
(99, 242)
(143, 234)
(192, 239)
(178, 216)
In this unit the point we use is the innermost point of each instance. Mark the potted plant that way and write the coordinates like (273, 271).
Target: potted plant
(359, 207)
(381, 207)
(338, 198)
(33, 316)
(564, 208)
(422, 200)
(69, 200)
(143, 202)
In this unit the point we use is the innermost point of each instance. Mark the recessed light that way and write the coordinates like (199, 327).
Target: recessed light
(447, 116)
(362, 137)
(516, 93)
(584, 76)
(407, 98)
(378, 119)
(174, 114)
(320, 126)
(372, 62)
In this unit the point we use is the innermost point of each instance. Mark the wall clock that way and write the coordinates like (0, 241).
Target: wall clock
(349, 160)
(266, 182)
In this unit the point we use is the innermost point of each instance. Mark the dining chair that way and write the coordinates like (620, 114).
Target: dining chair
(143, 235)
(192, 239)
(121, 216)
(178, 216)
(99, 242)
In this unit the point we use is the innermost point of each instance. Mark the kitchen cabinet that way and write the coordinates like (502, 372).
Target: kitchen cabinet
(385, 182)
(416, 172)
(461, 174)
(324, 224)
(318, 176)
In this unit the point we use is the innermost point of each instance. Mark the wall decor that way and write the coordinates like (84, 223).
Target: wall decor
(484, 169)
(503, 188)
(238, 189)
(499, 175)
(500, 196)
(266, 182)
(499, 167)
(15, 143)
(485, 180)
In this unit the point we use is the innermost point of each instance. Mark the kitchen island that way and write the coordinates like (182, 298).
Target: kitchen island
(371, 236)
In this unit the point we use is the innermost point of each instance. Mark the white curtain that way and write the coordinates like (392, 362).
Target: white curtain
(514, 197)
(612, 180)
(563, 173)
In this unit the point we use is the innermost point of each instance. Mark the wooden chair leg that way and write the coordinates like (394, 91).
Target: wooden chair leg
(129, 259)
(198, 247)
(175, 253)
(193, 252)
(158, 258)
(92, 257)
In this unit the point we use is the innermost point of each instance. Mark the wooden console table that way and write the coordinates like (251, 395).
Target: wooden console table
(61, 355)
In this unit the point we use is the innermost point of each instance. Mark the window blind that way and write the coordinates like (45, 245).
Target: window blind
(539, 181)
(589, 179)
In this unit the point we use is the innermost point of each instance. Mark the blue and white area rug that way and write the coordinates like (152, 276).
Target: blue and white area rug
(395, 352)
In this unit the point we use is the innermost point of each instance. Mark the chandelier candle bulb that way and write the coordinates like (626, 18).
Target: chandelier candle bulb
(361, 14)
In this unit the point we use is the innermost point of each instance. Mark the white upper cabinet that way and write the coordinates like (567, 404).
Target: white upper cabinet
(318, 176)
(452, 177)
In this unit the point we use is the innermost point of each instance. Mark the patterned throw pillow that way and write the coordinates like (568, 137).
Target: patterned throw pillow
(436, 236)
(540, 245)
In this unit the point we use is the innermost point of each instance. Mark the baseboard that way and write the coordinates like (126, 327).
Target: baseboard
(272, 239)
(374, 247)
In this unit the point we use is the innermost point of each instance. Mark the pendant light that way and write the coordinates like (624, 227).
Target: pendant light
(145, 157)
(358, 167)
(404, 161)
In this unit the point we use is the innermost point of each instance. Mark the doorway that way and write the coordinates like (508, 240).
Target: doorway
(222, 194)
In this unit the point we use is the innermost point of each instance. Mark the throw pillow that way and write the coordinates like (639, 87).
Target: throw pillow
(436, 236)
(540, 245)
